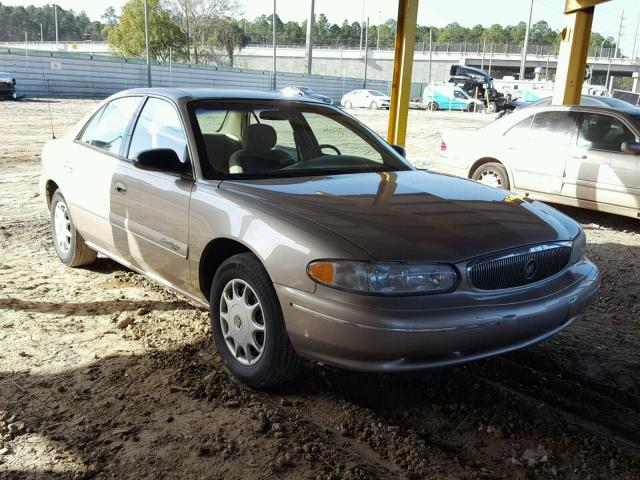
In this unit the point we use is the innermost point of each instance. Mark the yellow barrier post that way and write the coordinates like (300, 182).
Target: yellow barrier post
(402, 67)
(574, 47)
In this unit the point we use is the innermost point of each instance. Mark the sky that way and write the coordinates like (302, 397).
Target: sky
(431, 12)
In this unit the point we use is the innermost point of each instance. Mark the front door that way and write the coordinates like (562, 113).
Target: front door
(600, 171)
(149, 209)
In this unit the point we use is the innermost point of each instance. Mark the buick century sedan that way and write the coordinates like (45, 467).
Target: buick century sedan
(308, 236)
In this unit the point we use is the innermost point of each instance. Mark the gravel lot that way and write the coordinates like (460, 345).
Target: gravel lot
(104, 374)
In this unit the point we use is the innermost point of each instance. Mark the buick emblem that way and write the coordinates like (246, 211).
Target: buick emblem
(530, 269)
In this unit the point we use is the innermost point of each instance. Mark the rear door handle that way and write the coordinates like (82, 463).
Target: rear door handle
(68, 167)
(579, 157)
(120, 187)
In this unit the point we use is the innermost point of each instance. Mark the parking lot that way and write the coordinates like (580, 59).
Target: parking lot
(105, 374)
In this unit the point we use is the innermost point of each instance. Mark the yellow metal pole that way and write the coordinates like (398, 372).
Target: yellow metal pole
(574, 48)
(402, 67)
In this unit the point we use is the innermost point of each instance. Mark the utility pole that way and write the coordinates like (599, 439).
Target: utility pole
(146, 41)
(430, 53)
(617, 52)
(55, 19)
(310, 27)
(273, 27)
(635, 40)
(361, 24)
(366, 53)
(378, 29)
(526, 43)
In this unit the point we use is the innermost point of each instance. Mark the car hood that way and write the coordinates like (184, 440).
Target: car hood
(414, 215)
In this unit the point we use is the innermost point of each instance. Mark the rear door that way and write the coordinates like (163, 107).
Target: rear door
(538, 159)
(91, 165)
(599, 171)
(150, 210)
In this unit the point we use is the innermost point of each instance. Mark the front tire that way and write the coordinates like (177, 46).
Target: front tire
(67, 241)
(493, 174)
(433, 106)
(347, 104)
(373, 105)
(247, 324)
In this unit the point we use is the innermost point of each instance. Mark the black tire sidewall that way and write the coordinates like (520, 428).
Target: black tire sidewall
(497, 167)
(66, 258)
(433, 107)
(272, 314)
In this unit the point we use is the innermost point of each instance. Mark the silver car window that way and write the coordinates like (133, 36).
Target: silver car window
(107, 128)
(158, 126)
(553, 128)
(603, 132)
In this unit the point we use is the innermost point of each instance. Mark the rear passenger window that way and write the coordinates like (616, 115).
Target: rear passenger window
(520, 130)
(553, 128)
(107, 128)
(158, 127)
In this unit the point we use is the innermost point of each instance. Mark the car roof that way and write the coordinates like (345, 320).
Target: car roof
(212, 93)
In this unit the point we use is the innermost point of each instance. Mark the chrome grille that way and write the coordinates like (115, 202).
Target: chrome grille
(519, 268)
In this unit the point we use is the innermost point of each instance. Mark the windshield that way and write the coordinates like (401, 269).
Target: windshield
(376, 93)
(274, 139)
(306, 90)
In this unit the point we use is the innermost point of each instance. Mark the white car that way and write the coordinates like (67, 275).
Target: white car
(365, 98)
(584, 156)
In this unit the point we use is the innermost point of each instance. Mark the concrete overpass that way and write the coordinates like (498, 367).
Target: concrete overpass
(498, 59)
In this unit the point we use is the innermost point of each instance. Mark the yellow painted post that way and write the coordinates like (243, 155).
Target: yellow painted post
(402, 67)
(574, 48)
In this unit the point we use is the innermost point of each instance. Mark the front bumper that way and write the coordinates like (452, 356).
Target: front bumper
(386, 334)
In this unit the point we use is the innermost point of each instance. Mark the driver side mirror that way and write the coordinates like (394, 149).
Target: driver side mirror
(160, 160)
(400, 149)
(630, 147)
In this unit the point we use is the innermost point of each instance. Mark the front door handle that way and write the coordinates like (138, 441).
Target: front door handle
(68, 167)
(120, 187)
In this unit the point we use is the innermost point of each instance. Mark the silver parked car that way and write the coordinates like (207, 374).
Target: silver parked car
(585, 156)
(365, 98)
(307, 235)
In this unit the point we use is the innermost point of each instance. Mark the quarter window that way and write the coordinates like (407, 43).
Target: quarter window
(520, 130)
(158, 127)
(603, 132)
(108, 127)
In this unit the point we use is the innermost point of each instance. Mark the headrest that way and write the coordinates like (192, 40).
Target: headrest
(259, 137)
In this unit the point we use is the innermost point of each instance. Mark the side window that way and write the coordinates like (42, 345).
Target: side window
(158, 127)
(335, 138)
(603, 132)
(520, 130)
(107, 128)
(553, 128)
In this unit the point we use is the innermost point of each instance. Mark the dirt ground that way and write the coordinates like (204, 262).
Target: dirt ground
(104, 374)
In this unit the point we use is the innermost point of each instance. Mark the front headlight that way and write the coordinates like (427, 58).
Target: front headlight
(386, 278)
(577, 248)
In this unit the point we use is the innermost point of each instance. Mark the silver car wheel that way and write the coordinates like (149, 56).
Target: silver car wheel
(242, 322)
(62, 227)
(491, 178)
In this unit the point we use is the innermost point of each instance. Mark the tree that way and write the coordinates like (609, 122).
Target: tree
(495, 34)
(195, 18)
(453, 33)
(128, 37)
(228, 36)
(109, 17)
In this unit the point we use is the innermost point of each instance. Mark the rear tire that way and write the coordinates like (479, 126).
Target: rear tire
(493, 174)
(247, 324)
(433, 106)
(472, 107)
(67, 241)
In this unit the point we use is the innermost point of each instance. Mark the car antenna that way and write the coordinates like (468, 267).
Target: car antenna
(53, 134)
